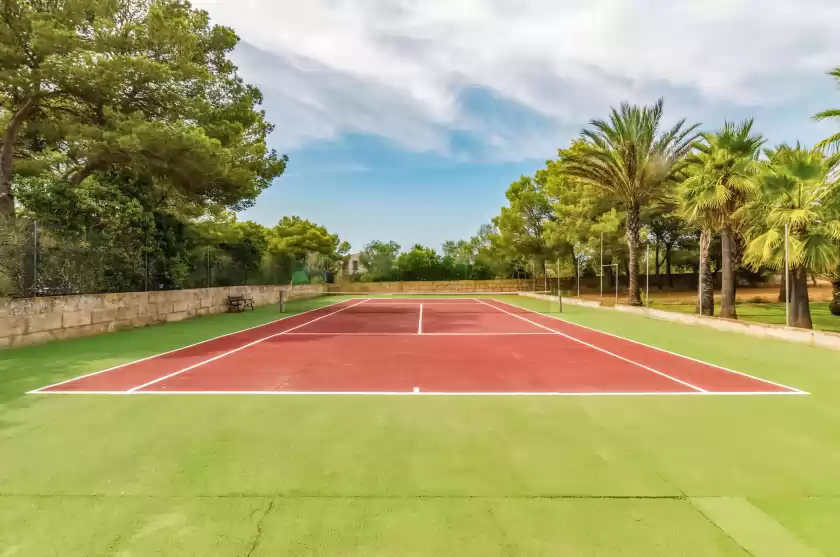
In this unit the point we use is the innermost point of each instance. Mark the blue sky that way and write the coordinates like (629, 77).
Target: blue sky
(407, 121)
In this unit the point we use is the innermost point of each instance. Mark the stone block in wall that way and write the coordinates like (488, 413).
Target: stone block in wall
(127, 313)
(12, 325)
(103, 315)
(75, 319)
(179, 316)
(43, 322)
(35, 338)
(182, 306)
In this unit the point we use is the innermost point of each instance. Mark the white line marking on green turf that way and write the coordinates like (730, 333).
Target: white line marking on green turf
(640, 343)
(628, 360)
(181, 348)
(751, 528)
(428, 393)
(243, 347)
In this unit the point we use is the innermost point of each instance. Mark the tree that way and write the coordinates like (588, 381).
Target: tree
(832, 143)
(629, 157)
(666, 230)
(86, 87)
(379, 260)
(723, 174)
(522, 223)
(294, 240)
(797, 191)
(420, 263)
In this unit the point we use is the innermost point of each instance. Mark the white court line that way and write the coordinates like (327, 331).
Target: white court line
(243, 347)
(680, 381)
(430, 393)
(420, 321)
(799, 391)
(182, 348)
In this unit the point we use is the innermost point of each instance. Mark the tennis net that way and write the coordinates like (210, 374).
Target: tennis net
(445, 303)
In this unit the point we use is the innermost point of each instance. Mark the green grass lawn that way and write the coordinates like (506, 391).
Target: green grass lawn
(138, 476)
(764, 313)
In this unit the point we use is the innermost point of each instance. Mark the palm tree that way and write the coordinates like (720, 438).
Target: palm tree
(630, 158)
(724, 173)
(694, 213)
(797, 191)
(831, 144)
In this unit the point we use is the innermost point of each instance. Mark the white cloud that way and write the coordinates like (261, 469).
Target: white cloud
(397, 68)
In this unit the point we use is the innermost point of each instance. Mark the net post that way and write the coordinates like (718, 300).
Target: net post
(283, 298)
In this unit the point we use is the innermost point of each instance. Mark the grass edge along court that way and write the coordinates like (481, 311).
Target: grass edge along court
(325, 475)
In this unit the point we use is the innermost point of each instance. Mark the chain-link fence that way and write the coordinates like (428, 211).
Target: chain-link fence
(38, 260)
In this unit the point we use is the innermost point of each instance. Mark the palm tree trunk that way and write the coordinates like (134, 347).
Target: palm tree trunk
(658, 264)
(800, 310)
(835, 298)
(727, 302)
(634, 225)
(782, 289)
(707, 294)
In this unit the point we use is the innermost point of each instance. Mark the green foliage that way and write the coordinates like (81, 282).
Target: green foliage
(723, 173)
(138, 85)
(797, 191)
(379, 260)
(832, 143)
(631, 158)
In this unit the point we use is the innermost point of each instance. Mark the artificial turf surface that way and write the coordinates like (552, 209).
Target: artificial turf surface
(384, 476)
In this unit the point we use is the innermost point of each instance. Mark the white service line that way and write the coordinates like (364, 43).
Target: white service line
(797, 391)
(680, 381)
(420, 321)
(159, 354)
(431, 393)
(243, 347)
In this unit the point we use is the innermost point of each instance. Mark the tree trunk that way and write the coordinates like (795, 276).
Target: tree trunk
(727, 248)
(7, 149)
(658, 264)
(668, 266)
(634, 297)
(782, 288)
(707, 293)
(800, 310)
(834, 306)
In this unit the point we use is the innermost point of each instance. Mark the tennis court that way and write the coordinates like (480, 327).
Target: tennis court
(446, 345)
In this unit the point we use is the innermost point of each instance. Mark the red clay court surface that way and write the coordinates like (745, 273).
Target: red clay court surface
(420, 347)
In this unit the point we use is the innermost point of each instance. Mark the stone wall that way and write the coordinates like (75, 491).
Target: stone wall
(430, 287)
(35, 320)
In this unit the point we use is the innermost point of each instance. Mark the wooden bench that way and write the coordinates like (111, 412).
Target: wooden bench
(239, 303)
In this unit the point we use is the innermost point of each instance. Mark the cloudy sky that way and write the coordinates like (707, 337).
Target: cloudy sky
(406, 119)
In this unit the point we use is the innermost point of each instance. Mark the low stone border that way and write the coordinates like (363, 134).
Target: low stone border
(800, 336)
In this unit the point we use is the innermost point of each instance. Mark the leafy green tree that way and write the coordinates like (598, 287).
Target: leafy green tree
(631, 158)
(420, 263)
(583, 214)
(89, 86)
(298, 237)
(723, 174)
(522, 225)
(797, 190)
(666, 230)
(379, 260)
